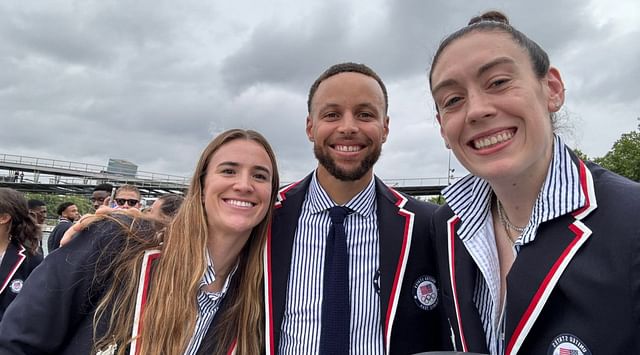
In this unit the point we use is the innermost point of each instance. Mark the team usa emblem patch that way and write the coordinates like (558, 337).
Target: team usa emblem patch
(425, 292)
(16, 285)
(568, 344)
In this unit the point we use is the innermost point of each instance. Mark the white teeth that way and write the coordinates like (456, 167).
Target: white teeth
(492, 140)
(239, 203)
(347, 148)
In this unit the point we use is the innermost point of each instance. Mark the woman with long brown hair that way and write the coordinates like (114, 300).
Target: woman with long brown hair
(19, 253)
(125, 285)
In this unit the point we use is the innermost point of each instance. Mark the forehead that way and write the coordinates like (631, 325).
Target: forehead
(349, 88)
(99, 193)
(475, 49)
(241, 151)
(127, 194)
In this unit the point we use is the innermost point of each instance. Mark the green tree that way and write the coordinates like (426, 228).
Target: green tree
(624, 157)
(581, 154)
(438, 200)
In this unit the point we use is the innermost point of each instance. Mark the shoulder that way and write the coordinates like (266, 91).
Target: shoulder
(610, 186)
(385, 192)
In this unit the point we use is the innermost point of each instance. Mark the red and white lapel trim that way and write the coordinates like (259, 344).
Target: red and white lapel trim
(141, 298)
(541, 296)
(16, 266)
(582, 233)
(400, 269)
(268, 297)
(451, 234)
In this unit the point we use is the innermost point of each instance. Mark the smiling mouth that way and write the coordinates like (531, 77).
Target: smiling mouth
(239, 203)
(490, 141)
(347, 148)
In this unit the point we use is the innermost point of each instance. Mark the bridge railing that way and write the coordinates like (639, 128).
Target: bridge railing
(90, 169)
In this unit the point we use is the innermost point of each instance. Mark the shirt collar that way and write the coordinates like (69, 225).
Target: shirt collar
(470, 197)
(210, 276)
(362, 203)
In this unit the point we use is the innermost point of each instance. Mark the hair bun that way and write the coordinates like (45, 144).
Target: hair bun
(495, 16)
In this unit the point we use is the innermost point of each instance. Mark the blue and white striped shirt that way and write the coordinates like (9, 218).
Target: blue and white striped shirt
(208, 305)
(301, 326)
(470, 199)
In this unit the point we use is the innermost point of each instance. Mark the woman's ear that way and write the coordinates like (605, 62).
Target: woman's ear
(556, 90)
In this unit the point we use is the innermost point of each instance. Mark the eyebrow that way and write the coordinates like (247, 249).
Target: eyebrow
(235, 164)
(483, 69)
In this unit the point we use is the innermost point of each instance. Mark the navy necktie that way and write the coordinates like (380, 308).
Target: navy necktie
(336, 311)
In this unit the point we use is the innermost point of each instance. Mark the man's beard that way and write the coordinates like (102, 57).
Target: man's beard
(341, 174)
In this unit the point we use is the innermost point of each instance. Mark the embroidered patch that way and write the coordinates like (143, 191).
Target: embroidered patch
(568, 344)
(16, 285)
(425, 292)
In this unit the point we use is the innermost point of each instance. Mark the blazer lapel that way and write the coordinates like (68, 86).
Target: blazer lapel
(540, 264)
(13, 257)
(462, 278)
(395, 228)
(277, 257)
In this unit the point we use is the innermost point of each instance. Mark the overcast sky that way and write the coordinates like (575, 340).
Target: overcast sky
(151, 81)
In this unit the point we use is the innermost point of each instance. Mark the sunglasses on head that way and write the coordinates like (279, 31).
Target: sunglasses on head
(130, 202)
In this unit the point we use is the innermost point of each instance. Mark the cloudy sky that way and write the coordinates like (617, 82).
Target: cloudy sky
(151, 81)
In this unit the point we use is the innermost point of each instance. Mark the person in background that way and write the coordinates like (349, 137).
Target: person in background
(127, 196)
(385, 298)
(38, 210)
(542, 249)
(67, 214)
(166, 206)
(100, 195)
(19, 243)
(201, 277)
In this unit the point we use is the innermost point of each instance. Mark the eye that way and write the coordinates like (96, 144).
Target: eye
(498, 82)
(331, 116)
(227, 171)
(452, 101)
(261, 176)
(366, 115)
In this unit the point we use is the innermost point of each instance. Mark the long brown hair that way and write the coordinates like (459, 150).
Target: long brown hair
(170, 313)
(24, 229)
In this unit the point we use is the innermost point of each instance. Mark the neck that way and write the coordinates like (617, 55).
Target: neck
(341, 191)
(224, 251)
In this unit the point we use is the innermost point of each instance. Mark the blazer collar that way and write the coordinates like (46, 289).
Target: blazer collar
(14, 256)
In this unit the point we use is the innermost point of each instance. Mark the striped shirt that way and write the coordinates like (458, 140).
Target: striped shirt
(301, 326)
(470, 199)
(208, 305)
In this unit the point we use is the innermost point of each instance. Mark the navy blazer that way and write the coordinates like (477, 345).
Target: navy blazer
(406, 257)
(575, 287)
(54, 312)
(16, 266)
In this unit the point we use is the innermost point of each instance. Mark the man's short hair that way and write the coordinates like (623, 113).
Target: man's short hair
(63, 206)
(127, 187)
(348, 67)
(33, 204)
(103, 187)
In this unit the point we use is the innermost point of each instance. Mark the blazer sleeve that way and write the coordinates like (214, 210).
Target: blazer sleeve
(60, 294)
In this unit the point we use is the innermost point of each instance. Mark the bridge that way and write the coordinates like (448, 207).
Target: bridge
(52, 176)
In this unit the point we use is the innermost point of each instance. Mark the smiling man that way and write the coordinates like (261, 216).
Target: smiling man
(341, 276)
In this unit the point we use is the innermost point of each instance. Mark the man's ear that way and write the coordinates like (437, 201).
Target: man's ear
(386, 129)
(556, 90)
(309, 128)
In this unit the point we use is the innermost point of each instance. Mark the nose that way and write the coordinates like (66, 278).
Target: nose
(243, 182)
(479, 106)
(348, 124)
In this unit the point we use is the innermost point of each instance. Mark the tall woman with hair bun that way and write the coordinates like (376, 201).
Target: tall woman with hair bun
(127, 285)
(542, 249)
(19, 253)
